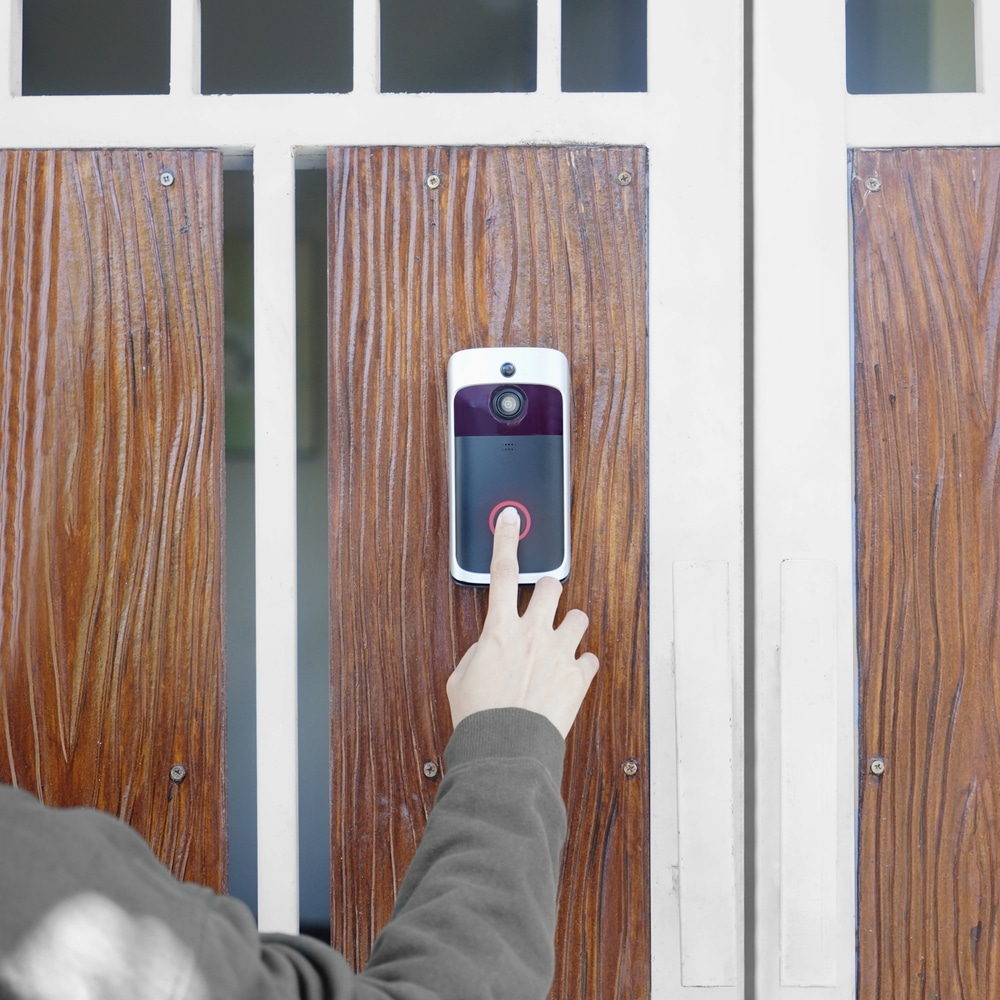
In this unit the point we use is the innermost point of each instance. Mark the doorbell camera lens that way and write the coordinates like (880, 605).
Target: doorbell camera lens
(507, 370)
(508, 403)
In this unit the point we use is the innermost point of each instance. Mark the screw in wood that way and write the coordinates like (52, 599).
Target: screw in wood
(631, 767)
(877, 766)
(166, 178)
(624, 178)
(433, 181)
(430, 769)
(178, 773)
(873, 184)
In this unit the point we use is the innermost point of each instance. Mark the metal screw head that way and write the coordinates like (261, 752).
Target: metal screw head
(631, 767)
(433, 181)
(873, 184)
(877, 766)
(166, 178)
(178, 773)
(430, 769)
(624, 178)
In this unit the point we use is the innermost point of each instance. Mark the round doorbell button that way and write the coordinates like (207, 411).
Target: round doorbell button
(521, 509)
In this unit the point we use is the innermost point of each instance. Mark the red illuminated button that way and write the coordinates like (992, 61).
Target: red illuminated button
(525, 516)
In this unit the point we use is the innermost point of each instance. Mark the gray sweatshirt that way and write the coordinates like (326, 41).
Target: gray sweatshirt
(88, 913)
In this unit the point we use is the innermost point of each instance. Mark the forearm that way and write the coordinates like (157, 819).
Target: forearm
(475, 915)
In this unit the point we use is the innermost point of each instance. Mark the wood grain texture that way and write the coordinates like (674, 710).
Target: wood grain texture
(927, 272)
(518, 246)
(111, 499)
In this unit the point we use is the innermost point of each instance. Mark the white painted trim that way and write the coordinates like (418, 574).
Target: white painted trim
(241, 121)
(897, 120)
(803, 467)
(987, 28)
(695, 408)
(275, 513)
(367, 47)
(549, 48)
(185, 48)
(808, 700)
(10, 52)
(707, 853)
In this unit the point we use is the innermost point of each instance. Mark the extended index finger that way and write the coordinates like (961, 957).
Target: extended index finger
(503, 567)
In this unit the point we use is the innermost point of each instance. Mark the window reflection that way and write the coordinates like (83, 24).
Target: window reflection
(603, 45)
(458, 46)
(910, 46)
(97, 47)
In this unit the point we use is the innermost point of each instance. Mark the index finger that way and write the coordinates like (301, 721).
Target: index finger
(503, 567)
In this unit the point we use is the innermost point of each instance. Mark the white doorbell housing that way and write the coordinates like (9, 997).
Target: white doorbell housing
(508, 446)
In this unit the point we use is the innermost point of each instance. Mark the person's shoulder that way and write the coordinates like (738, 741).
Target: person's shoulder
(75, 826)
(18, 806)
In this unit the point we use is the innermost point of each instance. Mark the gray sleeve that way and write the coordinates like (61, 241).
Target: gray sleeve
(476, 913)
(86, 902)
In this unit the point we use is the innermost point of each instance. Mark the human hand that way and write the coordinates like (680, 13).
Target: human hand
(523, 662)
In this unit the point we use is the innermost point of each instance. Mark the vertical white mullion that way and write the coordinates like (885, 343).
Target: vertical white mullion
(275, 500)
(185, 47)
(696, 496)
(367, 46)
(803, 472)
(987, 28)
(549, 45)
(10, 50)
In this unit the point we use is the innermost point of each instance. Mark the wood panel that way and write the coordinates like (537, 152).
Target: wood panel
(927, 272)
(515, 246)
(111, 516)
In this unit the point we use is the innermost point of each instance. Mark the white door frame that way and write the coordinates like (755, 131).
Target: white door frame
(804, 126)
(691, 120)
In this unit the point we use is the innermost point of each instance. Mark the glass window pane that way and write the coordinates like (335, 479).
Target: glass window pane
(97, 47)
(313, 528)
(910, 46)
(458, 46)
(292, 47)
(313, 558)
(241, 687)
(603, 45)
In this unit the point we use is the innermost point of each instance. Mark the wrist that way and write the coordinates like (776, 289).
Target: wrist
(507, 733)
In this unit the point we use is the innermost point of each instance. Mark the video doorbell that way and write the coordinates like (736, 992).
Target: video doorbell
(508, 446)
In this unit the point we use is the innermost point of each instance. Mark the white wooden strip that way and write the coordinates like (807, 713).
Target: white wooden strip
(275, 497)
(10, 50)
(695, 399)
(705, 779)
(185, 47)
(803, 430)
(808, 666)
(987, 27)
(898, 120)
(367, 47)
(315, 121)
(549, 45)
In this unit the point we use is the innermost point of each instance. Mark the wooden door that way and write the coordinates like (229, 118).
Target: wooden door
(431, 251)
(927, 273)
(111, 491)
